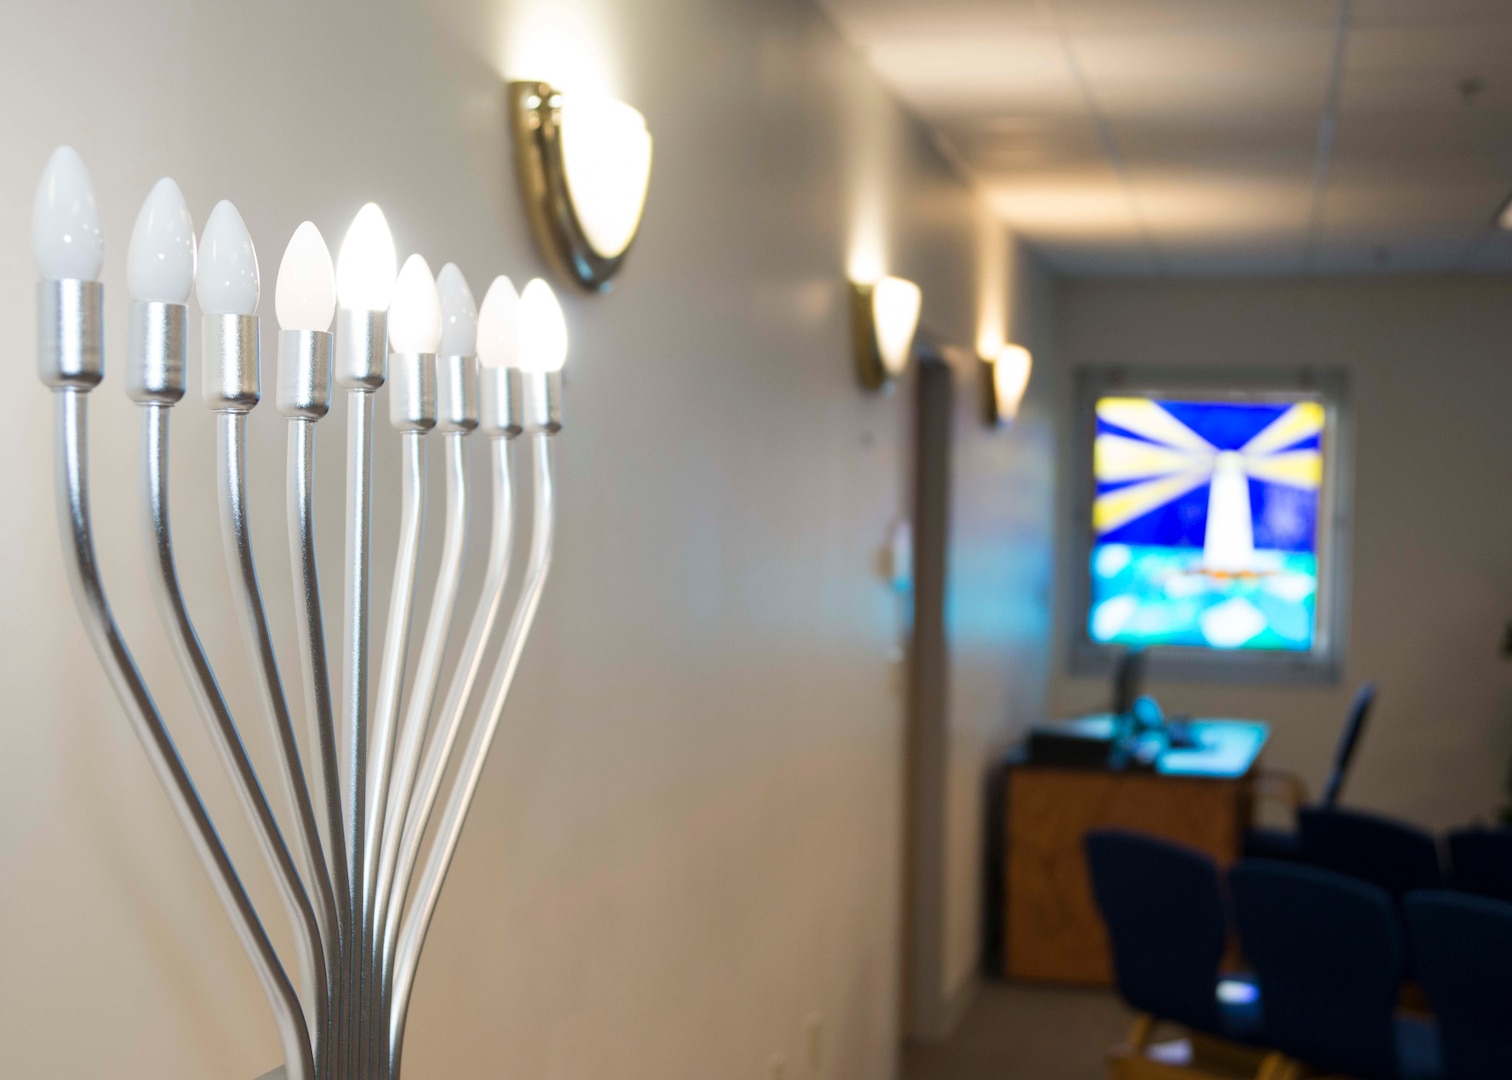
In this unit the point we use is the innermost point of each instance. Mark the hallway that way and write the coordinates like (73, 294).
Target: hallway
(1020, 1032)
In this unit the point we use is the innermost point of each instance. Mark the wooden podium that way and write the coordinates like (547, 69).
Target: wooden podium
(1199, 797)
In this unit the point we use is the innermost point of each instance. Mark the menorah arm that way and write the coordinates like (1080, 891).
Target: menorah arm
(94, 611)
(317, 684)
(423, 694)
(438, 751)
(417, 919)
(314, 912)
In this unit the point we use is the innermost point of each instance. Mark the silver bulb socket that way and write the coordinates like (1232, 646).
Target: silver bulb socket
(71, 333)
(361, 348)
(543, 401)
(231, 356)
(456, 393)
(156, 344)
(304, 373)
(412, 391)
(501, 397)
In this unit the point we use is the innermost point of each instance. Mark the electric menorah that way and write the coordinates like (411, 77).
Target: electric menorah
(360, 897)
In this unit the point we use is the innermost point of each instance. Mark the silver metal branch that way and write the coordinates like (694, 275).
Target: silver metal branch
(417, 919)
(70, 362)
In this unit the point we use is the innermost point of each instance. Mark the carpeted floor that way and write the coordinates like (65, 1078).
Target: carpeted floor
(1020, 1032)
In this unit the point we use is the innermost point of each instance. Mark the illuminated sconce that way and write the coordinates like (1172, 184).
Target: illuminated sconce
(584, 164)
(1007, 377)
(884, 318)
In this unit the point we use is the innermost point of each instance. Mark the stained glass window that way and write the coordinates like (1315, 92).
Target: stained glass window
(1205, 522)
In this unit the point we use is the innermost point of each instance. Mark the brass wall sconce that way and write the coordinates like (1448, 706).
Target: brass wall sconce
(584, 165)
(884, 319)
(1006, 377)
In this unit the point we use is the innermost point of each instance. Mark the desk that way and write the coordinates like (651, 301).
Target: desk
(1199, 797)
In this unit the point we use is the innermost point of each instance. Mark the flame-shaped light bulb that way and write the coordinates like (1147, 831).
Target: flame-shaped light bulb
(459, 314)
(365, 265)
(543, 329)
(160, 262)
(499, 325)
(414, 320)
(305, 296)
(66, 241)
(228, 281)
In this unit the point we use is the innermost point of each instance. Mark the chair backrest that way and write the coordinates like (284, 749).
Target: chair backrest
(1164, 911)
(1349, 738)
(1389, 854)
(1480, 862)
(1327, 955)
(1463, 947)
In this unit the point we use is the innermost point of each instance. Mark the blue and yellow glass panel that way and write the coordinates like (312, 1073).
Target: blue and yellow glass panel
(1205, 523)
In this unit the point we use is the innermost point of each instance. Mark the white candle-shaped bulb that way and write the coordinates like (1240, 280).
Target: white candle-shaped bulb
(228, 281)
(305, 295)
(543, 329)
(160, 262)
(365, 265)
(459, 314)
(66, 241)
(414, 321)
(499, 325)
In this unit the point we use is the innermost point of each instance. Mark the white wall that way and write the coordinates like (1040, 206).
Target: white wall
(1432, 561)
(688, 838)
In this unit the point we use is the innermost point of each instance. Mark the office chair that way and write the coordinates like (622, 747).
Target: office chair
(1390, 855)
(1480, 862)
(1282, 844)
(1167, 926)
(1327, 954)
(1463, 946)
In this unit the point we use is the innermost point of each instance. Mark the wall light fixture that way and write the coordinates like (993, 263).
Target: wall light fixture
(584, 163)
(884, 319)
(1007, 377)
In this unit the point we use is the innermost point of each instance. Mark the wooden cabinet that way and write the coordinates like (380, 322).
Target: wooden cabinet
(1054, 931)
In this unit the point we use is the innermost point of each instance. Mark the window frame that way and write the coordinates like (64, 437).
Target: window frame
(1328, 385)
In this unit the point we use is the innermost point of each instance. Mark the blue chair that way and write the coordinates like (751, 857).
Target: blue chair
(1327, 954)
(1480, 862)
(1390, 855)
(1281, 844)
(1463, 946)
(1164, 910)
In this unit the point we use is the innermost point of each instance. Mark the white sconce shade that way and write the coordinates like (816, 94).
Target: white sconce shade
(414, 322)
(584, 164)
(66, 241)
(543, 329)
(895, 317)
(499, 325)
(606, 158)
(1010, 378)
(228, 279)
(459, 314)
(366, 264)
(885, 318)
(160, 261)
(304, 298)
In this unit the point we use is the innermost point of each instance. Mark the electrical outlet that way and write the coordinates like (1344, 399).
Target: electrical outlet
(813, 1039)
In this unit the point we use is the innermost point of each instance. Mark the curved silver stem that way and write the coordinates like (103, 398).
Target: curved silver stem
(317, 925)
(72, 477)
(423, 695)
(417, 919)
(391, 689)
(317, 689)
(354, 689)
(449, 719)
